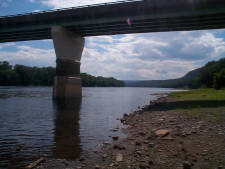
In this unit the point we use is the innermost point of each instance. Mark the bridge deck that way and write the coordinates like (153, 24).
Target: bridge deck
(111, 19)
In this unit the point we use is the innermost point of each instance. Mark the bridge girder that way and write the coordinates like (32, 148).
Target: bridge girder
(110, 19)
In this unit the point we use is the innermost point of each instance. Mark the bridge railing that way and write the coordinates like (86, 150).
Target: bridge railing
(76, 7)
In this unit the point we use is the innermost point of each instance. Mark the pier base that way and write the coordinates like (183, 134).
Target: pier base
(67, 87)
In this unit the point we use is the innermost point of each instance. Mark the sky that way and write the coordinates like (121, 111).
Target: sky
(145, 56)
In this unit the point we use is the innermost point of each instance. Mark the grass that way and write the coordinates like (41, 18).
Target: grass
(200, 94)
(207, 104)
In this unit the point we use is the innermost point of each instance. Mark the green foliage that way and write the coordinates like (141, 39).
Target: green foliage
(200, 94)
(5, 66)
(207, 104)
(209, 70)
(7, 75)
(219, 79)
(91, 81)
(33, 76)
(22, 75)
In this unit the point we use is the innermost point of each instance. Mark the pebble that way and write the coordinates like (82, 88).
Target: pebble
(115, 137)
(186, 165)
(162, 133)
(111, 165)
(97, 167)
(138, 143)
(119, 157)
(151, 145)
(119, 147)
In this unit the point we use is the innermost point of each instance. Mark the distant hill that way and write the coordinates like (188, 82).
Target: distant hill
(210, 75)
(190, 80)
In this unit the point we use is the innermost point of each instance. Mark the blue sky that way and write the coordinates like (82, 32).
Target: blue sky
(126, 57)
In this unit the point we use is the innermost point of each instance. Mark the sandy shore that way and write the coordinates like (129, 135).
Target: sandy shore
(157, 138)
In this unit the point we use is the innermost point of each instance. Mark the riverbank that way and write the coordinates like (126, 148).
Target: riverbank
(180, 131)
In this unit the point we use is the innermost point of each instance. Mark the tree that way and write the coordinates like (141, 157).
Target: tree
(5, 66)
(219, 79)
(22, 75)
(209, 70)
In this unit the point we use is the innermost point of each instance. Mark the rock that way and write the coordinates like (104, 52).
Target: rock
(81, 159)
(151, 145)
(119, 147)
(146, 142)
(104, 157)
(111, 165)
(115, 137)
(119, 157)
(114, 130)
(162, 133)
(125, 115)
(138, 143)
(186, 165)
(139, 153)
(143, 166)
(122, 120)
(106, 143)
(97, 167)
(150, 162)
(141, 133)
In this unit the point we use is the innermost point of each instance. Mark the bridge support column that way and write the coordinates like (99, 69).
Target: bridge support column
(68, 49)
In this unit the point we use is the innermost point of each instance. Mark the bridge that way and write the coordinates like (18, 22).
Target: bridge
(68, 27)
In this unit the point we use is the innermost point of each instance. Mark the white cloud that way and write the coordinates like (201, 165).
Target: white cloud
(133, 56)
(37, 10)
(2, 45)
(9, 44)
(151, 56)
(29, 56)
(72, 3)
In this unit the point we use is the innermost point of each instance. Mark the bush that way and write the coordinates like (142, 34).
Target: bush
(208, 72)
(219, 79)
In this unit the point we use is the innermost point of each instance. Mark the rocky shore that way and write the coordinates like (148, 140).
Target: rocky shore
(157, 138)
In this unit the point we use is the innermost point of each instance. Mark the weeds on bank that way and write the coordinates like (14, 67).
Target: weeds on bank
(206, 104)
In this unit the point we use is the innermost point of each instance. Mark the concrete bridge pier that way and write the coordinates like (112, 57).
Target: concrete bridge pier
(68, 49)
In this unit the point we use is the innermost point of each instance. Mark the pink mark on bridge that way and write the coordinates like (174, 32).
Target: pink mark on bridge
(128, 21)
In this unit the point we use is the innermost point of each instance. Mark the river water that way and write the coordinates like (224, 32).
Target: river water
(32, 125)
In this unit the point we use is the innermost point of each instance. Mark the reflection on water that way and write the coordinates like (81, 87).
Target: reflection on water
(32, 125)
(66, 132)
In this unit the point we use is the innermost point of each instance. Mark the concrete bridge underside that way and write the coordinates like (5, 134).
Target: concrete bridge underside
(68, 27)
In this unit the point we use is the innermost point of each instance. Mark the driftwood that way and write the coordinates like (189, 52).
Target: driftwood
(34, 164)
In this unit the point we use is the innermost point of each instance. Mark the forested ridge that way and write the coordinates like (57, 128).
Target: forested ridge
(20, 75)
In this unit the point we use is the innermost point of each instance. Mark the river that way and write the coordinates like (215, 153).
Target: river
(32, 125)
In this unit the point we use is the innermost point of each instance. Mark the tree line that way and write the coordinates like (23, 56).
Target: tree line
(20, 75)
(213, 74)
